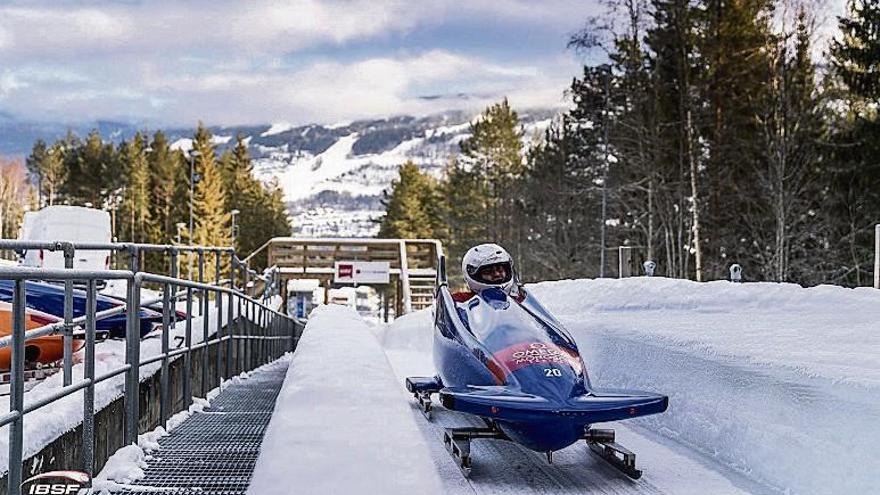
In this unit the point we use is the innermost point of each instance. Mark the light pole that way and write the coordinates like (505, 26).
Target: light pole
(234, 226)
(193, 153)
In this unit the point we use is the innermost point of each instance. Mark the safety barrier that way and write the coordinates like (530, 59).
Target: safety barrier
(254, 334)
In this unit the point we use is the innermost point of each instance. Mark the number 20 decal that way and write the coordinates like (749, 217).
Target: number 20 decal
(552, 372)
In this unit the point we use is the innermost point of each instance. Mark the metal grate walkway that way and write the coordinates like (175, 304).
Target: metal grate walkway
(214, 452)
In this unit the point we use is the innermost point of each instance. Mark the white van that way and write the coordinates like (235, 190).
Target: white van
(75, 224)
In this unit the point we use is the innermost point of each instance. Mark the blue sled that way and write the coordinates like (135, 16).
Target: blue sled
(511, 363)
(49, 298)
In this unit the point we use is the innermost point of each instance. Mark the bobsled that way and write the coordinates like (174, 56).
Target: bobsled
(508, 361)
(49, 298)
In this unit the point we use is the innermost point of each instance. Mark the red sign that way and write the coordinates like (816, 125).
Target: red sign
(346, 271)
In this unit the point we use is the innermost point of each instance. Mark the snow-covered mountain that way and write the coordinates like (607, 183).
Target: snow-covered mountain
(333, 175)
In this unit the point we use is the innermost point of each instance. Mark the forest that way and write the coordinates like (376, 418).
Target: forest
(146, 186)
(713, 132)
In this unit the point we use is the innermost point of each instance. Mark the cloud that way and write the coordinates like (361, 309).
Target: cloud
(233, 62)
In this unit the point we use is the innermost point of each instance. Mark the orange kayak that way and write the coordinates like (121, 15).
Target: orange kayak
(42, 350)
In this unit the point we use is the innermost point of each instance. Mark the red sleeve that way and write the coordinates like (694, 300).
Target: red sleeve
(461, 297)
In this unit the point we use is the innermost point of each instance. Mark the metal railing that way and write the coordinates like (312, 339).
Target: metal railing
(254, 334)
(135, 251)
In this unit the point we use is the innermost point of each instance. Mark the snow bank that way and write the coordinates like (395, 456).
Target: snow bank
(341, 423)
(823, 331)
(774, 380)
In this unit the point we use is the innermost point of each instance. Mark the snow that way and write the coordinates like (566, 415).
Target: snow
(220, 139)
(823, 331)
(506, 468)
(277, 128)
(774, 381)
(309, 175)
(341, 423)
(50, 422)
(772, 385)
(182, 144)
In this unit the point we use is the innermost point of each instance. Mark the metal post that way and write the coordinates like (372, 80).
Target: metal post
(217, 274)
(247, 277)
(201, 279)
(206, 349)
(68, 316)
(877, 256)
(165, 377)
(134, 260)
(624, 261)
(230, 332)
(187, 358)
(88, 440)
(132, 344)
(239, 330)
(230, 320)
(16, 389)
(218, 365)
(174, 272)
(248, 343)
(404, 279)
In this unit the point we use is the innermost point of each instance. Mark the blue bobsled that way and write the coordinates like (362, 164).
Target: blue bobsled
(49, 298)
(510, 362)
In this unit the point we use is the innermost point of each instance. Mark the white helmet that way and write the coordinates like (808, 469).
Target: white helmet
(488, 265)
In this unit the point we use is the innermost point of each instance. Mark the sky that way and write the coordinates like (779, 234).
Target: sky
(301, 61)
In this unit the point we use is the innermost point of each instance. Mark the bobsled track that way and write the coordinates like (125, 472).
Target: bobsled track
(783, 401)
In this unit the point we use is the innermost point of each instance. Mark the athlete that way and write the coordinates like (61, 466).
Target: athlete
(485, 266)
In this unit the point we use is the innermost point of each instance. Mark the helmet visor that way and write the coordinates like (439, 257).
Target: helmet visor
(494, 274)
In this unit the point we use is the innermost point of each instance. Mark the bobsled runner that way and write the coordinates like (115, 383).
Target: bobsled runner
(509, 362)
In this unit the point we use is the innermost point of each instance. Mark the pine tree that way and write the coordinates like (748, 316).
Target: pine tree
(734, 43)
(94, 170)
(164, 167)
(855, 55)
(493, 154)
(854, 198)
(54, 173)
(561, 208)
(465, 198)
(209, 205)
(411, 207)
(136, 203)
(36, 162)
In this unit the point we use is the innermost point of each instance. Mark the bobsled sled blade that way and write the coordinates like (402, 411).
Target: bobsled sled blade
(458, 443)
(422, 388)
(601, 443)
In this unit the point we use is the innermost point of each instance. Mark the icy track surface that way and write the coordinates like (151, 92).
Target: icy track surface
(341, 422)
(506, 468)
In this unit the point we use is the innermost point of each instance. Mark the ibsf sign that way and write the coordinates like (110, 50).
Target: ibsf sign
(55, 483)
(362, 272)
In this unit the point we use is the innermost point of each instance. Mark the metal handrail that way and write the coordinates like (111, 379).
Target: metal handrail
(253, 328)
